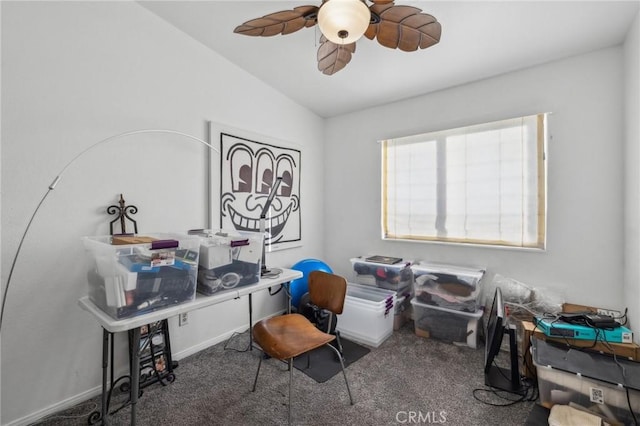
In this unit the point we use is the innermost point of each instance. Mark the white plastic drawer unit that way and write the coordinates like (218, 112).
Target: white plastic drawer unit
(368, 314)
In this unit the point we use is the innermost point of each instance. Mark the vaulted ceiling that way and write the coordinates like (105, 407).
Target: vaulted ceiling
(479, 39)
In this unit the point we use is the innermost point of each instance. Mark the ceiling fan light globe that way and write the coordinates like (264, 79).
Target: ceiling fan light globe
(343, 21)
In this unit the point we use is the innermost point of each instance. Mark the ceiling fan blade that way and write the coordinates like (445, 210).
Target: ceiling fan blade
(334, 57)
(403, 27)
(283, 22)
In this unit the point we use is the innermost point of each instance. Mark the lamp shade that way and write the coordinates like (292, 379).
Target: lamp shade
(343, 21)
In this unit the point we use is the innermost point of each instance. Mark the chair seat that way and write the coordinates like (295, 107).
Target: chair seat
(287, 336)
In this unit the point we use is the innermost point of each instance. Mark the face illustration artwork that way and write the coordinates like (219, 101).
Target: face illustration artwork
(249, 172)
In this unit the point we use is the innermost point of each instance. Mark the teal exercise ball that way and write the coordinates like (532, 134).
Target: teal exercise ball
(299, 287)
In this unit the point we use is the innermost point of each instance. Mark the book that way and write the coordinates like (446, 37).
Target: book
(387, 260)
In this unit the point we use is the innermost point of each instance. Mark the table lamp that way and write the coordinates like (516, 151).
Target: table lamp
(266, 272)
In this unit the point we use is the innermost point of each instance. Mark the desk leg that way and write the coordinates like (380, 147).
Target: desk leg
(135, 373)
(103, 415)
(250, 323)
(104, 410)
(111, 357)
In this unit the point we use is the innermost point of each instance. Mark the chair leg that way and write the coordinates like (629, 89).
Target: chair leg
(343, 372)
(255, 382)
(290, 381)
(338, 342)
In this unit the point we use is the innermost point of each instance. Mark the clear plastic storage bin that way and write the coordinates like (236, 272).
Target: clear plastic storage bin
(388, 276)
(448, 286)
(368, 314)
(594, 381)
(461, 328)
(133, 275)
(228, 259)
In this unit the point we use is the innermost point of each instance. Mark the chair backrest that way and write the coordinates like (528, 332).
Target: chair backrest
(300, 286)
(327, 291)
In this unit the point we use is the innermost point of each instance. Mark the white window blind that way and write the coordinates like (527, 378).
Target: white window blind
(481, 184)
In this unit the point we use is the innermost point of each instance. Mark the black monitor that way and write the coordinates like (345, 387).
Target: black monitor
(507, 379)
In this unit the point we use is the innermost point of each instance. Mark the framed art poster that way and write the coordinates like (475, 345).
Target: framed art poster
(249, 168)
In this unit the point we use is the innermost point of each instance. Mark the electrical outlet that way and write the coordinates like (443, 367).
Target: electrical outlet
(183, 319)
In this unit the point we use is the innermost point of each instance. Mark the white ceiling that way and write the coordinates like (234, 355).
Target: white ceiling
(479, 39)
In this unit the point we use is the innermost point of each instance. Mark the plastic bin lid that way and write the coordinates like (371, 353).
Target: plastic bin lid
(476, 314)
(369, 288)
(448, 269)
(400, 265)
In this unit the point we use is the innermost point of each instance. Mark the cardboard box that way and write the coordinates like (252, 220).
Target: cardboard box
(422, 333)
(402, 311)
(571, 307)
(131, 239)
(525, 331)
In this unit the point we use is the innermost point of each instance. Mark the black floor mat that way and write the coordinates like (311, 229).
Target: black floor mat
(324, 363)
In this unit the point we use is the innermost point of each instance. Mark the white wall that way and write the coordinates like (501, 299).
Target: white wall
(584, 255)
(77, 72)
(1, 269)
(632, 174)
(74, 73)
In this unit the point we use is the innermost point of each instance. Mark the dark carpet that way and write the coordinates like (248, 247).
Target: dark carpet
(323, 362)
(406, 377)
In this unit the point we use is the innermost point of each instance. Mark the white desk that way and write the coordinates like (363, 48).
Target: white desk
(111, 326)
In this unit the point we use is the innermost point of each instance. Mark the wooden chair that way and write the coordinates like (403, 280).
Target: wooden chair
(287, 336)
(321, 308)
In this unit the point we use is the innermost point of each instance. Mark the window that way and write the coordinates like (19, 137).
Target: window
(481, 184)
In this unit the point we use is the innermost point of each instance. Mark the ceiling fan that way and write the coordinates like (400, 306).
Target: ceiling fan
(343, 22)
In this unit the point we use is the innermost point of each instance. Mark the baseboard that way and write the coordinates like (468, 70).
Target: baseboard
(96, 391)
(213, 341)
(206, 344)
(60, 406)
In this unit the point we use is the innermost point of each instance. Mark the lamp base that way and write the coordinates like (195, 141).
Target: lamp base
(270, 273)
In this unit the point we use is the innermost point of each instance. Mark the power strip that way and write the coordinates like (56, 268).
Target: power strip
(610, 312)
